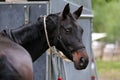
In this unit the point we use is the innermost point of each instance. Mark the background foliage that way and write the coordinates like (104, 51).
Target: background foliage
(107, 18)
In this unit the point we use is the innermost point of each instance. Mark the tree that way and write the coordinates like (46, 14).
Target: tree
(106, 18)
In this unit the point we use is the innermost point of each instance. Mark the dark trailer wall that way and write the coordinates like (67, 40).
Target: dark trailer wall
(13, 15)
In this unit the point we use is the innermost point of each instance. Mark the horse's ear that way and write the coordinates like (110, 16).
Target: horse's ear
(78, 12)
(66, 11)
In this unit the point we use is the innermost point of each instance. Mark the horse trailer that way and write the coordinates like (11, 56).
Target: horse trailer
(15, 14)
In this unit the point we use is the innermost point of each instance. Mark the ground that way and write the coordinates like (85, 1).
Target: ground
(108, 70)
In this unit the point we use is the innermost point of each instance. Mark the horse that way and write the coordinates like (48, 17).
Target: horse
(15, 61)
(64, 32)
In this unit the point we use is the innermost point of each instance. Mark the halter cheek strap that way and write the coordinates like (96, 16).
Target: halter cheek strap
(59, 38)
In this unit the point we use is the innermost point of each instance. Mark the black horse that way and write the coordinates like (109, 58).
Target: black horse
(64, 33)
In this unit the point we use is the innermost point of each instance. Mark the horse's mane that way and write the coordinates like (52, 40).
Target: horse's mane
(30, 28)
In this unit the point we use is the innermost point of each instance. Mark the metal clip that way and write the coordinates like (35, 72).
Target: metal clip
(27, 11)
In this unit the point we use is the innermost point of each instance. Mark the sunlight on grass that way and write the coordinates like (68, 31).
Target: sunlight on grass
(109, 70)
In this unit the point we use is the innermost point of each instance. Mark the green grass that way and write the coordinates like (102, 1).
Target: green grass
(109, 70)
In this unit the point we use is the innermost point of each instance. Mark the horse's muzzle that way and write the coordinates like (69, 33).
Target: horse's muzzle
(80, 59)
(83, 63)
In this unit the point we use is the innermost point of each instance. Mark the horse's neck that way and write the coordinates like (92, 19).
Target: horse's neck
(31, 37)
(26, 33)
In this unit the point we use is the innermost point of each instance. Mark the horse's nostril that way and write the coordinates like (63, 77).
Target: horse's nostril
(83, 62)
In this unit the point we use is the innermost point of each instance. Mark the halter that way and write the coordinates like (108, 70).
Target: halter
(58, 38)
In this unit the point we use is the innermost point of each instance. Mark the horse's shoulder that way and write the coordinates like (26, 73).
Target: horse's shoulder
(15, 61)
(7, 70)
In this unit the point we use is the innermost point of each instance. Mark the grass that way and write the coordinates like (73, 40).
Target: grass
(108, 70)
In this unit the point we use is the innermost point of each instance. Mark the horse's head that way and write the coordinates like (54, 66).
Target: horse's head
(70, 38)
(66, 34)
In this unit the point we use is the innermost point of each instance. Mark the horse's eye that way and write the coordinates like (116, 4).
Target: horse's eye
(68, 30)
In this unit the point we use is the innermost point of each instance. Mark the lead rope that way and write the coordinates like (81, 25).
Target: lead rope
(46, 34)
(51, 50)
